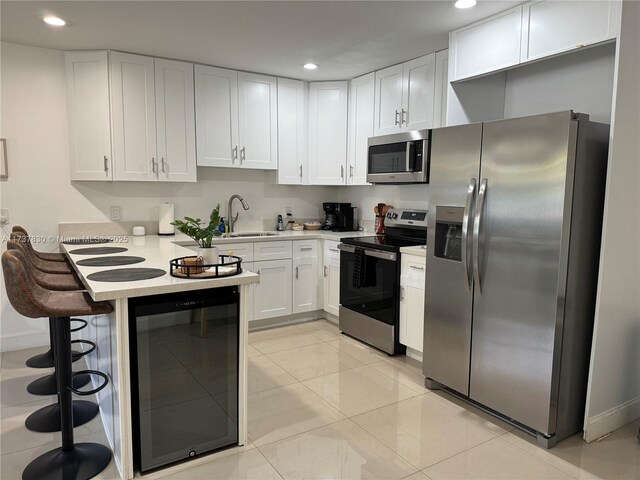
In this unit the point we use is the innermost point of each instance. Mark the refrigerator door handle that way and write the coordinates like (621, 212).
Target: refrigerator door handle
(479, 215)
(466, 230)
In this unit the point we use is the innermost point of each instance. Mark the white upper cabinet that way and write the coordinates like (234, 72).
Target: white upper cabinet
(418, 83)
(388, 100)
(87, 77)
(404, 96)
(134, 117)
(292, 145)
(175, 122)
(327, 133)
(361, 106)
(258, 117)
(216, 99)
(489, 45)
(552, 27)
(441, 89)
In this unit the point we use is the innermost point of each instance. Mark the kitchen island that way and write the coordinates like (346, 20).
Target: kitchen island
(112, 333)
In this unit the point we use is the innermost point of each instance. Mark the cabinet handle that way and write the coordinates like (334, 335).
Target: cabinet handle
(162, 163)
(324, 271)
(106, 165)
(242, 156)
(297, 274)
(341, 171)
(334, 249)
(401, 293)
(351, 171)
(397, 122)
(258, 272)
(403, 117)
(153, 165)
(234, 155)
(300, 171)
(306, 248)
(416, 267)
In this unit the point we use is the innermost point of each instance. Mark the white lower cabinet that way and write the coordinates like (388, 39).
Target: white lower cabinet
(331, 278)
(412, 285)
(305, 276)
(272, 297)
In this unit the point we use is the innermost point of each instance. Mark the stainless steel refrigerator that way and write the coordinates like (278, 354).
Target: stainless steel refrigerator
(514, 226)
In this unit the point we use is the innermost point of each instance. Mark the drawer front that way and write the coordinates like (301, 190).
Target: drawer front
(242, 250)
(273, 250)
(331, 251)
(305, 249)
(413, 270)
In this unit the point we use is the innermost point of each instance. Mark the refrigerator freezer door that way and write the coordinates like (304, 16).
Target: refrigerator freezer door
(521, 238)
(455, 165)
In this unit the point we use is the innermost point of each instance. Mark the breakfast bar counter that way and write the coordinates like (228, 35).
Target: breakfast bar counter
(115, 337)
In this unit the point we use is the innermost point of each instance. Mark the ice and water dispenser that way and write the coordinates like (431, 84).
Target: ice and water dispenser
(448, 241)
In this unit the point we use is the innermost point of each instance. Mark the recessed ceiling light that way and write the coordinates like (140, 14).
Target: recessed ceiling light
(54, 21)
(465, 3)
(310, 66)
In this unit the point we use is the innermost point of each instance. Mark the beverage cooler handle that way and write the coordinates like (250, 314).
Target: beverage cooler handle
(479, 216)
(467, 227)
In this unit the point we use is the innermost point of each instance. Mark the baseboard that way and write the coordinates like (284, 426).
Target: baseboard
(255, 325)
(606, 422)
(415, 354)
(18, 341)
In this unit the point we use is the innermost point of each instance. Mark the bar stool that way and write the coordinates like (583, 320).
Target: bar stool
(72, 461)
(52, 257)
(66, 279)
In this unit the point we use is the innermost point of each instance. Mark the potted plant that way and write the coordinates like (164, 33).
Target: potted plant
(202, 234)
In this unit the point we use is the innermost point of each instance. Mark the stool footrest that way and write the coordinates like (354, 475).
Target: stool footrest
(77, 329)
(95, 390)
(84, 352)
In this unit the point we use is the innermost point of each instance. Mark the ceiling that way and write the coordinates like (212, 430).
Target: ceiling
(345, 39)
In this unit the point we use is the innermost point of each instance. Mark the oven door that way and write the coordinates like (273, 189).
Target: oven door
(378, 298)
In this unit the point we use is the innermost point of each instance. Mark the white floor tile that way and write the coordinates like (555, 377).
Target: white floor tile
(313, 361)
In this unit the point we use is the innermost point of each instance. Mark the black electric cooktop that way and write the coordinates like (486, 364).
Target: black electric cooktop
(383, 242)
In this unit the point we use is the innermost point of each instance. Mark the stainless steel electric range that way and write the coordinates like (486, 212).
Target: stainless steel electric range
(370, 279)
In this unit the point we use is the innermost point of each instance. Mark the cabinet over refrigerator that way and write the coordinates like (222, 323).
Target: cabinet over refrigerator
(513, 243)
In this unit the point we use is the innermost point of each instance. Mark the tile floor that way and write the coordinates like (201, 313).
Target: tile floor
(323, 406)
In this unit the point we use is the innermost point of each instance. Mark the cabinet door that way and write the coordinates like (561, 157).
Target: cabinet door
(441, 89)
(418, 87)
(327, 133)
(292, 148)
(412, 316)
(388, 100)
(258, 121)
(272, 297)
(305, 284)
(175, 122)
(134, 117)
(216, 117)
(87, 78)
(361, 106)
(489, 45)
(331, 294)
(553, 27)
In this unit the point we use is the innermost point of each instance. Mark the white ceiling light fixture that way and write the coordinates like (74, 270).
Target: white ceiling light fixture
(54, 21)
(310, 66)
(465, 3)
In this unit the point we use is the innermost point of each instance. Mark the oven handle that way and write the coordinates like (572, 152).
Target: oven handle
(369, 252)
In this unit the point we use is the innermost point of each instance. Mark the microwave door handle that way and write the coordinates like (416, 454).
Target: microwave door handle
(477, 226)
(467, 227)
(410, 167)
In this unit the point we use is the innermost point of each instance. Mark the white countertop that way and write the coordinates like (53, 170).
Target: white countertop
(286, 235)
(157, 252)
(419, 251)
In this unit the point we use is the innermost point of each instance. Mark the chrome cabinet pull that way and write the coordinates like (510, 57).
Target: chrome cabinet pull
(242, 156)
(477, 224)
(401, 293)
(403, 118)
(324, 271)
(162, 164)
(415, 267)
(297, 273)
(351, 171)
(466, 230)
(153, 165)
(234, 154)
(334, 249)
(397, 121)
(306, 248)
(300, 167)
(106, 165)
(341, 171)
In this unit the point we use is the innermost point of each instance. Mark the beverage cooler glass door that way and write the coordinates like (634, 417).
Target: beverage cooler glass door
(184, 366)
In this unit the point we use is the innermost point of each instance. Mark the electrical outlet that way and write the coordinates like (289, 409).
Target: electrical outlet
(115, 213)
(4, 216)
(287, 210)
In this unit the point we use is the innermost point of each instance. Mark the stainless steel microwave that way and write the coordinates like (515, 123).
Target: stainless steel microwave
(399, 158)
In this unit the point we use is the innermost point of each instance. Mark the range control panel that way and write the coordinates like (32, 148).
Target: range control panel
(398, 217)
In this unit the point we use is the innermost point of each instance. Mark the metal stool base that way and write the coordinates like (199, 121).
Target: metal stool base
(47, 419)
(47, 385)
(84, 461)
(45, 360)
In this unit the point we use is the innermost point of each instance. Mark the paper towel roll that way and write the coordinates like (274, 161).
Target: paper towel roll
(165, 218)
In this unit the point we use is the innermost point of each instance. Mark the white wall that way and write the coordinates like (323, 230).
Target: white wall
(614, 380)
(39, 194)
(367, 197)
(581, 81)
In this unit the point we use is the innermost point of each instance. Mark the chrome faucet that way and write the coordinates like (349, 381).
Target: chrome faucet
(232, 219)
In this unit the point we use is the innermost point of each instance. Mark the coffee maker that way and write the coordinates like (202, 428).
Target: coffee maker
(340, 217)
